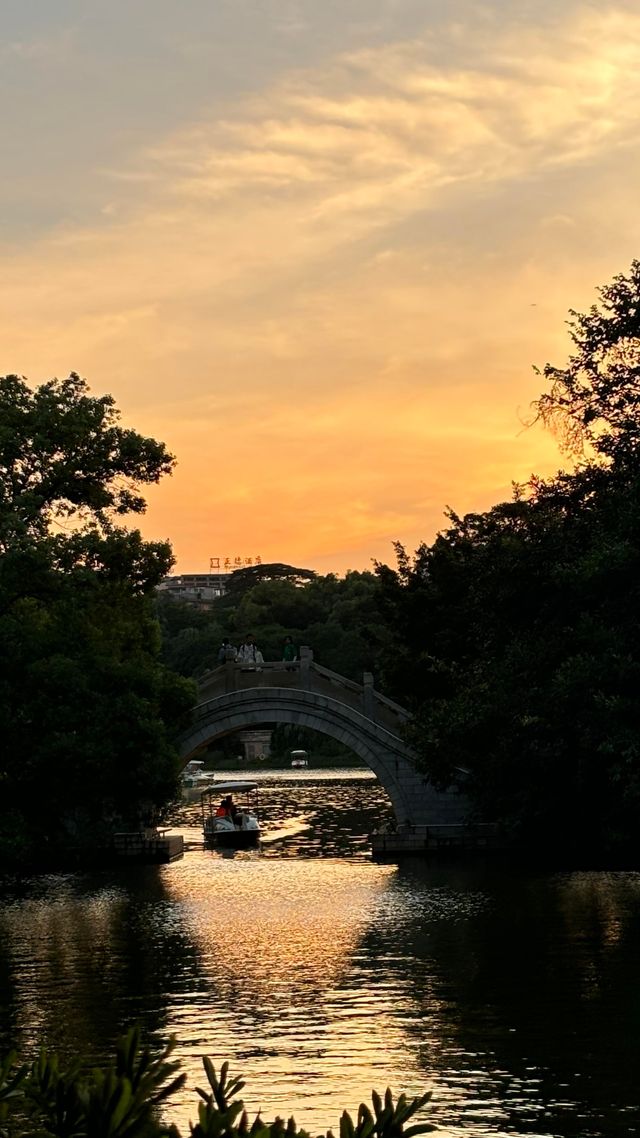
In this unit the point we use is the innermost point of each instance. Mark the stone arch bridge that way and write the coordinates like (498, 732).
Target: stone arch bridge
(306, 694)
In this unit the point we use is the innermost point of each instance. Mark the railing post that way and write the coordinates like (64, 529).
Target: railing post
(304, 673)
(230, 670)
(368, 698)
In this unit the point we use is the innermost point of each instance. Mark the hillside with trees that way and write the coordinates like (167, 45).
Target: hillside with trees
(339, 618)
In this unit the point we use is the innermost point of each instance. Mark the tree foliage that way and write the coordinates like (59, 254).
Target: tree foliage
(63, 455)
(87, 710)
(517, 630)
(242, 579)
(594, 402)
(338, 618)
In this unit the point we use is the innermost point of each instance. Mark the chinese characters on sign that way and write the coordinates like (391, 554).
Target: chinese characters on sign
(228, 564)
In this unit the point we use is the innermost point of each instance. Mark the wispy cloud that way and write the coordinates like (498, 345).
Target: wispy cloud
(379, 132)
(56, 48)
(328, 294)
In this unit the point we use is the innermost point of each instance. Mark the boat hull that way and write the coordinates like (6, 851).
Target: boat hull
(238, 840)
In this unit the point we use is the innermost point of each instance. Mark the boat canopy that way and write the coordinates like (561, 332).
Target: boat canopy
(298, 754)
(229, 788)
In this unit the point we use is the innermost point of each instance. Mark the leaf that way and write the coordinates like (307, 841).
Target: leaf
(347, 1129)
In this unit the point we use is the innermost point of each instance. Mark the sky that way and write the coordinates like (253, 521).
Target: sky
(316, 248)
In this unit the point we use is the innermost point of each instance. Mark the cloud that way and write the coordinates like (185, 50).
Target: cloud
(327, 296)
(55, 49)
(379, 132)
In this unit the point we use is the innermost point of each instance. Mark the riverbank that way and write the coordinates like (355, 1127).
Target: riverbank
(280, 763)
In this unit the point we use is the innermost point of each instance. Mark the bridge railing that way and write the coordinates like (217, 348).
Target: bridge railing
(351, 685)
(306, 674)
(233, 671)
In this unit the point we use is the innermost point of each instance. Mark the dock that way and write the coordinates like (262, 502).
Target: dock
(149, 847)
(446, 836)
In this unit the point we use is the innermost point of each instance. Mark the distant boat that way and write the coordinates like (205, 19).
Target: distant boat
(299, 758)
(194, 774)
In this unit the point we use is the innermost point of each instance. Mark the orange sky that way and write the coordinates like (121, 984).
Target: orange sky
(316, 249)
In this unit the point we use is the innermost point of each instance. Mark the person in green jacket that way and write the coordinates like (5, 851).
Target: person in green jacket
(289, 654)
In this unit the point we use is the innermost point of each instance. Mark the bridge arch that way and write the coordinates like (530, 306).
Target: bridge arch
(265, 699)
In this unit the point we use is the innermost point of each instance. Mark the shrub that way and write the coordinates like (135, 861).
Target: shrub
(123, 1101)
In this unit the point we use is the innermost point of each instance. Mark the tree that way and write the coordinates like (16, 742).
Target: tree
(242, 579)
(594, 401)
(521, 660)
(63, 456)
(87, 711)
(517, 631)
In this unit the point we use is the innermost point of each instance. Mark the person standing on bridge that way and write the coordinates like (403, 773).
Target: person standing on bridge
(226, 651)
(249, 655)
(289, 654)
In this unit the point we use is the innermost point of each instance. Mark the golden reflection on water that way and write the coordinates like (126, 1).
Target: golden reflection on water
(319, 977)
(61, 945)
(277, 946)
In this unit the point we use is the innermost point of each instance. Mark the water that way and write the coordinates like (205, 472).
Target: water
(513, 995)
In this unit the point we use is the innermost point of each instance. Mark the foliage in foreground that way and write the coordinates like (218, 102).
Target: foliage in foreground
(124, 1101)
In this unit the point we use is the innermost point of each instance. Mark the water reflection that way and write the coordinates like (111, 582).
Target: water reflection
(276, 940)
(320, 974)
(86, 956)
(537, 1003)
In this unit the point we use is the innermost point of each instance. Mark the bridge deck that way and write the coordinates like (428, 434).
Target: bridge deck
(309, 676)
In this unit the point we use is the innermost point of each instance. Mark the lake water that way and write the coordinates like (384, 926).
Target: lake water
(512, 994)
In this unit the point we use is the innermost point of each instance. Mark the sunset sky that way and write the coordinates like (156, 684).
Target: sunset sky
(315, 246)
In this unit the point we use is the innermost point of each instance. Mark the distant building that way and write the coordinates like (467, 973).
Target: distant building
(256, 743)
(195, 587)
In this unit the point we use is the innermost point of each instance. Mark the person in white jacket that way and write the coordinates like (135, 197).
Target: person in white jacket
(249, 655)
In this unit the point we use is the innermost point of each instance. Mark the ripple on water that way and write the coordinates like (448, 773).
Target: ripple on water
(320, 974)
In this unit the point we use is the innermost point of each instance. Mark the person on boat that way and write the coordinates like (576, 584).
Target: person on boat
(227, 808)
(249, 655)
(289, 654)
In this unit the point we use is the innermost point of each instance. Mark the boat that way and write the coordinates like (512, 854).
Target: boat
(194, 774)
(299, 759)
(229, 824)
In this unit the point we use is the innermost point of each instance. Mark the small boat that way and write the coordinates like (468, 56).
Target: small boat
(194, 774)
(229, 824)
(299, 759)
